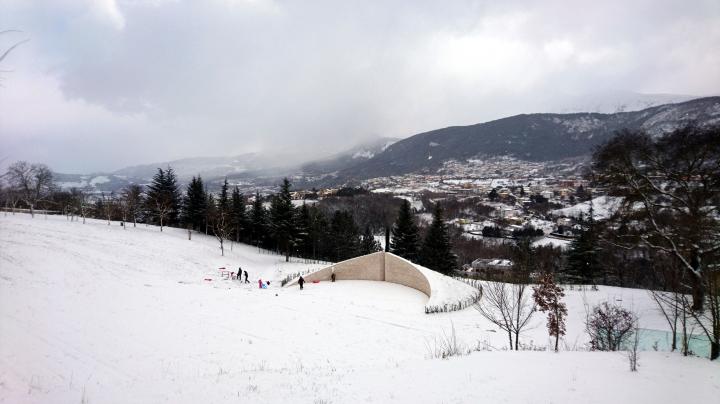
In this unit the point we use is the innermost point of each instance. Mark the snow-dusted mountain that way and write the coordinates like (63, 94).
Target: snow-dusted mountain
(531, 137)
(610, 102)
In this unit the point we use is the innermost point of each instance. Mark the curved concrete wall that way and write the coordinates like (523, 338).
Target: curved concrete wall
(379, 266)
(398, 270)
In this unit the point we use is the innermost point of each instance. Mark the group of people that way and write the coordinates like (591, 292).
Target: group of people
(240, 274)
(264, 285)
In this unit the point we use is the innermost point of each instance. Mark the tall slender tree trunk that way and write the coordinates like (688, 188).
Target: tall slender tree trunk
(557, 320)
(696, 282)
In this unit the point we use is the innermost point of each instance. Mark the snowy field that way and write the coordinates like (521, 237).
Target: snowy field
(91, 313)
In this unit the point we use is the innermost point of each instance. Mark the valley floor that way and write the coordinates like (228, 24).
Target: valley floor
(91, 313)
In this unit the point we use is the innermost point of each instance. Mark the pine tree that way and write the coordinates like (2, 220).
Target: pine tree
(282, 224)
(493, 195)
(210, 211)
(436, 251)
(194, 204)
(224, 199)
(171, 188)
(163, 197)
(258, 221)
(238, 216)
(582, 258)
(303, 223)
(523, 257)
(344, 236)
(406, 237)
(368, 244)
(318, 229)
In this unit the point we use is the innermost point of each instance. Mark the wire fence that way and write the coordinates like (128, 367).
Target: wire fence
(460, 304)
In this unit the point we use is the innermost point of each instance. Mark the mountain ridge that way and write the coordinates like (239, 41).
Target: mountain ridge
(533, 137)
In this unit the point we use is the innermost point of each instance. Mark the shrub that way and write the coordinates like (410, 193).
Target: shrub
(609, 327)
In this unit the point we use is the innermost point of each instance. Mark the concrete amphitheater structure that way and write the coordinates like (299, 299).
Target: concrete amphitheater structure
(379, 266)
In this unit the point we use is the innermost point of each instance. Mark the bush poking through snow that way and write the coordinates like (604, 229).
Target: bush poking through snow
(609, 327)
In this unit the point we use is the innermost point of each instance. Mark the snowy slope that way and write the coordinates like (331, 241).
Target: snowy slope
(603, 207)
(98, 314)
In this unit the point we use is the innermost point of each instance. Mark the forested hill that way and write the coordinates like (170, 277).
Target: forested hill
(535, 137)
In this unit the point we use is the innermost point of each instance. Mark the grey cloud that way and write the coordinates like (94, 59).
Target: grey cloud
(141, 81)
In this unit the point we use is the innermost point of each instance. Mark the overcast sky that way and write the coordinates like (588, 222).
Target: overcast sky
(104, 84)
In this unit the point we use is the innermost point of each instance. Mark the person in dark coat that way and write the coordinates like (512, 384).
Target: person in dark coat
(239, 274)
(246, 275)
(301, 281)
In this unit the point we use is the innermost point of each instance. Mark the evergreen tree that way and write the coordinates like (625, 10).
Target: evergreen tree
(368, 244)
(344, 236)
(303, 224)
(194, 204)
(318, 230)
(224, 199)
(493, 195)
(172, 190)
(582, 257)
(406, 237)
(436, 251)
(238, 216)
(282, 222)
(523, 257)
(163, 197)
(258, 221)
(210, 211)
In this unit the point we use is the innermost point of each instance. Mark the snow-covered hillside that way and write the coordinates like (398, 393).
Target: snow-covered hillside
(91, 313)
(603, 207)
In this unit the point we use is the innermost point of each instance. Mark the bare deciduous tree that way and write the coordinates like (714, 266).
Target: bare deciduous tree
(671, 191)
(509, 306)
(32, 181)
(222, 228)
(132, 200)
